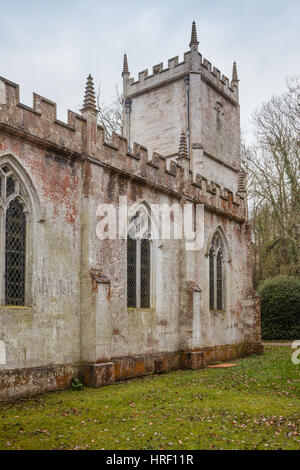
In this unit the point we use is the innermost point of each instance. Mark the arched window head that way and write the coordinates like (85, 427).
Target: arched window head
(13, 241)
(217, 272)
(140, 225)
(139, 260)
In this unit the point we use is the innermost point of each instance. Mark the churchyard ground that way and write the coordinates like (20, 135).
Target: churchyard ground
(254, 405)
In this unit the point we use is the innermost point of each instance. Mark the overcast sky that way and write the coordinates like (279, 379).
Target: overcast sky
(49, 47)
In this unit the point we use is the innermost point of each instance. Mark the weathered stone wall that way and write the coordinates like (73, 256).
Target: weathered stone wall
(122, 332)
(46, 330)
(158, 116)
(76, 320)
(129, 331)
(224, 144)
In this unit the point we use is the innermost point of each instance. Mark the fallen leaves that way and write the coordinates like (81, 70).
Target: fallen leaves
(236, 408)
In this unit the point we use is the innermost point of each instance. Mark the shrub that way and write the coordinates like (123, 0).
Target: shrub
(280, 308)
(76, 384)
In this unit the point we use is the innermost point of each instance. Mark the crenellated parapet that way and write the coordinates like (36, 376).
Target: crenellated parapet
(193, 62)
(81, 137)
(171, 175)
(218, 80)
(40, 120)
(175, 70)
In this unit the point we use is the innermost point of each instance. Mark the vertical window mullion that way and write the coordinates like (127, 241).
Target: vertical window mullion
(138, 271)
(219, 282)
(2, 255)
(215, 281)
(211, 280)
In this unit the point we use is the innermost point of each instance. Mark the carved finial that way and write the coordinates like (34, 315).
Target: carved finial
(235, 77)
(89, 102)
(125, 65)
(194, 39)
(241, 186)
(183, 152)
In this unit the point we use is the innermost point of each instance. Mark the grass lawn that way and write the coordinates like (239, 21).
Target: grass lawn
(252, 406)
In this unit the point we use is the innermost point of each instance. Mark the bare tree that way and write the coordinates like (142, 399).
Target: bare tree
(273, 167)
(110, 117)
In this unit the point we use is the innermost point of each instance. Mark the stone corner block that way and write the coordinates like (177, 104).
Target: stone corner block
(96, 375)
(193, 360)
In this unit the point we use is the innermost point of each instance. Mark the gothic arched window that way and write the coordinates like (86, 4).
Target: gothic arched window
(15, 254)
(139, 261)
(216, 273)
(13, 247)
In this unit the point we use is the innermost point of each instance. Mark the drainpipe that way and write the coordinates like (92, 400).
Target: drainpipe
(187, 94)
(128, 102)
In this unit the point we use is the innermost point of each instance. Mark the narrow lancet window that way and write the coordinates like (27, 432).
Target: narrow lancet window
(216, 272)
(131, 273)
(13, 226)
(139, 262)
(219, 282)
(211, 280)
(145, 273)
(15, 251)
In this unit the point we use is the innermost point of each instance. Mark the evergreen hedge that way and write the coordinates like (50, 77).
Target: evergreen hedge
(280, 308)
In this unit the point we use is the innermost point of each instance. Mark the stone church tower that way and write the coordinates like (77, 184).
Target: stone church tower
(75, 304)
(193, 97)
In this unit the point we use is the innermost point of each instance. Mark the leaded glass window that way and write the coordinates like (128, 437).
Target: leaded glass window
(216, 273)
(10, 186)
(139, 261)
(219, 281)
(145, 273)
(13, 229)
(211, 280)
(131, 272)
(15, 241)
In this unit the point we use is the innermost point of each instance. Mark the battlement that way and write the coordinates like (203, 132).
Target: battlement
(219, 80)
(40, 120)
(39, 126)
(176, 70)
(159, 74)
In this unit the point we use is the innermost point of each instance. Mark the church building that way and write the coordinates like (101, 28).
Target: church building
(75, 303)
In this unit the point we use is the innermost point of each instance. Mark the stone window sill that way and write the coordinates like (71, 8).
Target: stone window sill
(150, 310)
(16, 308)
